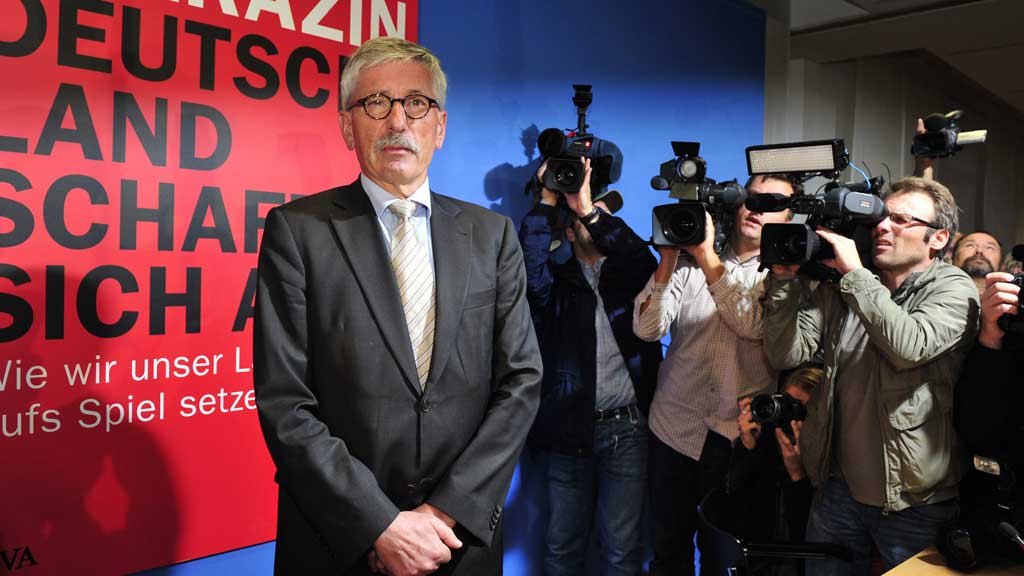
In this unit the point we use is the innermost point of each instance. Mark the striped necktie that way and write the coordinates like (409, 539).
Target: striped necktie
(415, 279)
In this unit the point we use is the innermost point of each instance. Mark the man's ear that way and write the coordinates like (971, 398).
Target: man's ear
(345, 121)
(442, 126)
(939, 240)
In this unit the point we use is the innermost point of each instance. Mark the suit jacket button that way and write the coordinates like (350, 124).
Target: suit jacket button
(425, 406)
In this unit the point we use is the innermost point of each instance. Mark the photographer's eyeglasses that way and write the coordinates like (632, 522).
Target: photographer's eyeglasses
(378, 106)
(902, 220)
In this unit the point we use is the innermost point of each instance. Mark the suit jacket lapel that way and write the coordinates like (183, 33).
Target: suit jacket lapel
(451, 242)
(358, 232)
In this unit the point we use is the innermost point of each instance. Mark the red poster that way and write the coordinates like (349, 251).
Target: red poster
(141, 144)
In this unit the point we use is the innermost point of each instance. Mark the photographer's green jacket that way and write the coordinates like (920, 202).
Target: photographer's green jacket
(918, 337)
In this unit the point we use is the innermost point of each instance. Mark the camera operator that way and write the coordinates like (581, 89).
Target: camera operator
(878, 442)
(978, 254)
(711, 307)
(598, 377)
(766, 477)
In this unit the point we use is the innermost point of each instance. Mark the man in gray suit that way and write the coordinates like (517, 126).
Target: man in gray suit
(396, 369)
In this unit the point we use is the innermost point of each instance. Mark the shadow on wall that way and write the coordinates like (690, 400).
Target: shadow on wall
(82, 501)
(505, 184)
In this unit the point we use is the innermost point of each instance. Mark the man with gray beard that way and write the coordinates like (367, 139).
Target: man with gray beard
(978, 253)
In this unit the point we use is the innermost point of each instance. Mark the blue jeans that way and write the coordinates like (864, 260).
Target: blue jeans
(605, 489)
(837, 517)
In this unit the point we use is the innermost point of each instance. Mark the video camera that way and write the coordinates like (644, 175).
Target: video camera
(943, 137)
(683, 223)
(845, 208)
(777, 410)
(563, 150)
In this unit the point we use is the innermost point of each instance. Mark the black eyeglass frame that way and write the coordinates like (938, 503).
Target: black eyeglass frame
(432, 103)
(915, 219)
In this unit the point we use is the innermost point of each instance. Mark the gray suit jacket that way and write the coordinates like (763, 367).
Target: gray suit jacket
(353, 438)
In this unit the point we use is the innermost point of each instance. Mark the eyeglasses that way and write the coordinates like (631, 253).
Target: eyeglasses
(378, 106)
(902, 220)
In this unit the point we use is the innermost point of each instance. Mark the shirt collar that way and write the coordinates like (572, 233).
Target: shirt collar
(381, 198)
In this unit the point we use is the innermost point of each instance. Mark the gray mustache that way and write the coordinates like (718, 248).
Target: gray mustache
(398, 139)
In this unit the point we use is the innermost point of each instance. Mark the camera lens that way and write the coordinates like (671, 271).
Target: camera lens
(765, 408)
(794, 247)
(567, 176)
(680, 226)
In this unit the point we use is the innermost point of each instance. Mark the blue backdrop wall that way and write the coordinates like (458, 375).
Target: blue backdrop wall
(661, 70)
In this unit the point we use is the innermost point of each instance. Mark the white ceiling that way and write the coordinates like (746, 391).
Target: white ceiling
(983, 39)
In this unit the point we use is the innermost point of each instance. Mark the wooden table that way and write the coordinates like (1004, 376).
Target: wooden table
(929, 562)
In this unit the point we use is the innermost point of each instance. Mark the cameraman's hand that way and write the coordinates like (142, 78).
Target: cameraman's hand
(704, 253)
(580, 202)
(546, 196)
(923, 167)
(707, 247)
(1000, 297)
(785, 271)
(847, 259)
(791, 450)
(749, 430)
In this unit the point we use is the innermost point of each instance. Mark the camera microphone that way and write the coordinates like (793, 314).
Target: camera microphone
(550, 142)
(660, 183)
(769, 202)
(1007, 530)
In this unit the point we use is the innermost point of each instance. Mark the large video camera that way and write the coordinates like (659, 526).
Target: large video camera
(683, 223)
(943, 137)
(846, 208)
(563, 151)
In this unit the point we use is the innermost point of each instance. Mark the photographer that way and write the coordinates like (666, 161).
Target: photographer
(986, 412)
(598, 377)
(711, 307)
(766, 478)
(878, 442)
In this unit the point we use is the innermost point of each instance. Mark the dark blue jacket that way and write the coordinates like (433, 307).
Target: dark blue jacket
(563, 307)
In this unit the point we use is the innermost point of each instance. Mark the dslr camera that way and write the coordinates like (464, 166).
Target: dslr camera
(777, 410)
(563, 151)
(1013, 325)
(683, 223)
(942, 137)
(849, 208)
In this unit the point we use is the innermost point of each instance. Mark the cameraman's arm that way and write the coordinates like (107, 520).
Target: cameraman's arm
(923, 167)
(535, 235)
(738, 304)
(793, 319)
(947, 318)
(617, 241)
(658, 304)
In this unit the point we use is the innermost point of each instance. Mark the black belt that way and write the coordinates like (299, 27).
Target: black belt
(620, 413)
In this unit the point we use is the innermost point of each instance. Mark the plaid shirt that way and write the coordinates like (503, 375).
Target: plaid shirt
(715, 356)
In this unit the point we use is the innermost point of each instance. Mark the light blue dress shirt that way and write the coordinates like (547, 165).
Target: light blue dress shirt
(381, 199)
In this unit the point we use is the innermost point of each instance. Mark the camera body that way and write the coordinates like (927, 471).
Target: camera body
(1013, 325)
(777, 410)
(942, 137)
(684, 223)
(842, 207)
(563, 151)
